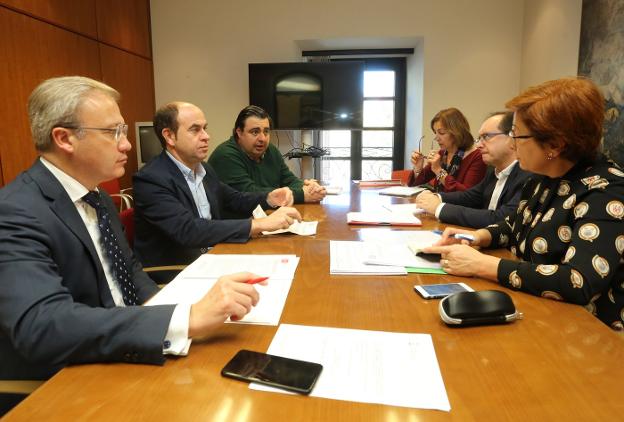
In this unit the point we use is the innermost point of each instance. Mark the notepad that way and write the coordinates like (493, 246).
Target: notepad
(403, 191)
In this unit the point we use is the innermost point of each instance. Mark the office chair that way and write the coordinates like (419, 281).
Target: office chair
(402, 175)
(161, 274)
(120, 197)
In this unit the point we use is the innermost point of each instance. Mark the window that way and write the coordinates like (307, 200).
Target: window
(378, 148)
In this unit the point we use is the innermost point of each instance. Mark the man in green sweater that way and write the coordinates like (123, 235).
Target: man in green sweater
(248, 162)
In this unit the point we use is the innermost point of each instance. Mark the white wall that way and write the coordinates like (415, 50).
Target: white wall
(471, 51)
(550, 41)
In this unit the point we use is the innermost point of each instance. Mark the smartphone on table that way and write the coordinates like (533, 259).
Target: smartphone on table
(438, 291)
(289, 374)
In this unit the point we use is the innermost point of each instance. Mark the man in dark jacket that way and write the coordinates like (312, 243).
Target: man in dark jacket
(497, 195)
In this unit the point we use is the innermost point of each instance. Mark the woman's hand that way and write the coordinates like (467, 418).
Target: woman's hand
(463, 260)
(434, 159)
(418, 161)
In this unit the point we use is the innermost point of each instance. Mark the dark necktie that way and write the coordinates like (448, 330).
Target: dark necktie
(109, 242)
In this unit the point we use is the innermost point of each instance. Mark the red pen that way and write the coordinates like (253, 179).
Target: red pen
(256, 280)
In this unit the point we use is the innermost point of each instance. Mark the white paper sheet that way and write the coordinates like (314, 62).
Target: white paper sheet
(347, 258)
(398, 254)
(398, 369)
(333, 190)
(197, 279)
(383, 217)
(404, 208)
(214, 266)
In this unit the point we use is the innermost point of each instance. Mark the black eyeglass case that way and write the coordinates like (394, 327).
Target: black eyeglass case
(478, 308)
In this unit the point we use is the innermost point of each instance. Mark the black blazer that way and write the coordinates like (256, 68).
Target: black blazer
(55, 304)
(469, 208)
(168, 228)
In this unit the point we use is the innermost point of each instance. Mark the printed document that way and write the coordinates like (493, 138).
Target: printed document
(347, 258)
(199, 277)
(397, 369)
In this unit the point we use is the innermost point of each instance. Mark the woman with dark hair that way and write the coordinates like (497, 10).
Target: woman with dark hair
(567, 230)
(458, 165)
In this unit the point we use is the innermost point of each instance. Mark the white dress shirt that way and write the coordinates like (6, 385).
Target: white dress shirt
(496, 193)
(194, 179)
(500, 184)
(176, 340)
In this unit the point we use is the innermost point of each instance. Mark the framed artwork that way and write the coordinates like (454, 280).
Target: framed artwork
(601, 58)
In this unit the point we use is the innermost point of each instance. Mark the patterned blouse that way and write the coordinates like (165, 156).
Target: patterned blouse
(568, 233)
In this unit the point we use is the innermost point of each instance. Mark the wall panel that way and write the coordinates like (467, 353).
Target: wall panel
(74, 15)
(132, 76)
(33, 51)
(125, 24)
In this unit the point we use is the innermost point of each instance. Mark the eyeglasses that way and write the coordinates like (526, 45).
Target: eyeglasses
(117, 132)
(516, 137)
(484, 137)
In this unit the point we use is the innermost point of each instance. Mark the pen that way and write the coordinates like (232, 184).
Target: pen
(459, 236)
(256, 280)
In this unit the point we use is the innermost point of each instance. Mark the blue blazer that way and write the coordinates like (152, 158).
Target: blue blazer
(56, 308)
(469, 208)
(168, 228)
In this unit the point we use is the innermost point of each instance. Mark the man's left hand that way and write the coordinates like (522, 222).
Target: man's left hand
(428, 201)
(282, 197)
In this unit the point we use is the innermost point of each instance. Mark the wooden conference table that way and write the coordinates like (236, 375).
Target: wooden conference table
(558, 363)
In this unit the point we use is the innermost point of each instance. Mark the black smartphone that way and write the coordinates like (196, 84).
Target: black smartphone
(290, 374)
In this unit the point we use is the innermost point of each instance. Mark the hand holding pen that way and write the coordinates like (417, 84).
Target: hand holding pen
(417, 158)
(452, 236)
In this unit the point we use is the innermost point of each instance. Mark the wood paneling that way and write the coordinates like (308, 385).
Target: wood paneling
(132, 76)
(32, 52)
(125, 24)
(76, 15)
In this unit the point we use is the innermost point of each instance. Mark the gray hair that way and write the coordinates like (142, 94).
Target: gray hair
(55, 102)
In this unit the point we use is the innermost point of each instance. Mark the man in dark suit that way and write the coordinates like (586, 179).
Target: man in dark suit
(69, 282)
(180, 202)
(496, 195)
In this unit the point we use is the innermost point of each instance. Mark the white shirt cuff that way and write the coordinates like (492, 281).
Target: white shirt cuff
(438, 210)
(176, 340)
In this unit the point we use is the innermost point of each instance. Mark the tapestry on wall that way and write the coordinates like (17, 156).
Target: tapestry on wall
(601, 58)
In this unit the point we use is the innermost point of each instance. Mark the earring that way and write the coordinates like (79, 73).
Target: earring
(550, 156)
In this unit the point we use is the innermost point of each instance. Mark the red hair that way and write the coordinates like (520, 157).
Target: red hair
(570, 110)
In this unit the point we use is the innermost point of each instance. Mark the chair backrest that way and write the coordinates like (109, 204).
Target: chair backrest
(121, 198)
(402, 175)
(127, 219)
(111, 186)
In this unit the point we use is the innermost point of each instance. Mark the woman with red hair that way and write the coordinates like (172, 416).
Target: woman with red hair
(568, 230)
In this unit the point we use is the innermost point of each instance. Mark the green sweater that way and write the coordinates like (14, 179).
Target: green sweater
(236, 169)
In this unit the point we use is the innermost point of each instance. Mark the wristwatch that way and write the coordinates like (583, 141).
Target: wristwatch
(441, 175)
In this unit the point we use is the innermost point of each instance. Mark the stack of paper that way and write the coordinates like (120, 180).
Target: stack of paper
(384, 251)
(397, 369)
(403, 191)
(199, 277)
(347, 258)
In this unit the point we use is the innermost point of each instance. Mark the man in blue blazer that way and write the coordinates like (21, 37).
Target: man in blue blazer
(497, 195)
(65, 265)
(180, 202)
